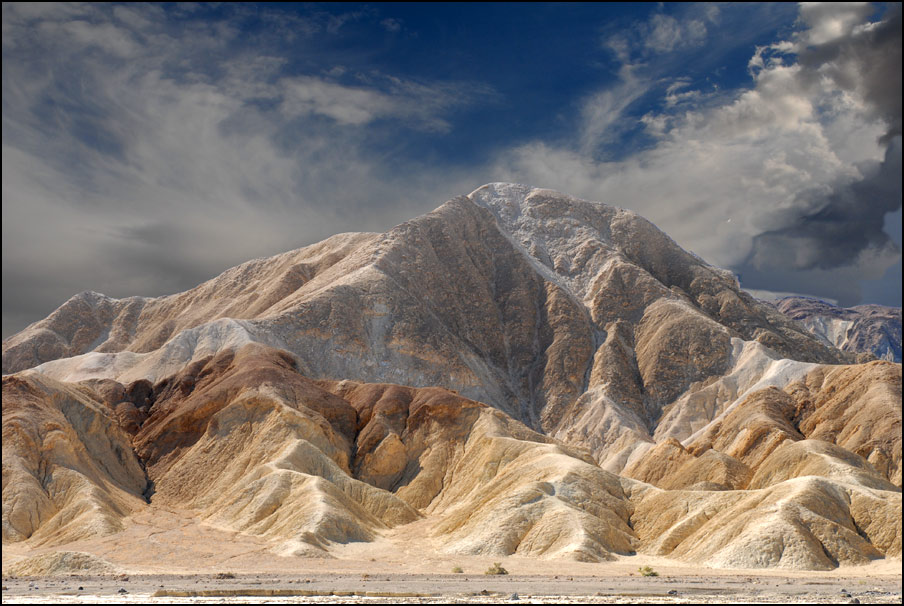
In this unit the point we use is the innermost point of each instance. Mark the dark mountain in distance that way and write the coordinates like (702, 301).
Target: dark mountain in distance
(874, 329)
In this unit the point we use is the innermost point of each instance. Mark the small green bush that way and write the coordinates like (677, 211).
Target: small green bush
(646, 571)
(457, 569)
(496, 569)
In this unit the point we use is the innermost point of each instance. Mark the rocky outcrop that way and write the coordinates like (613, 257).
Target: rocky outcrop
(669, 465)
(249, 444)
(92, 322)
(59, 563)
(857, 408)
(489, 484)
(840, 422)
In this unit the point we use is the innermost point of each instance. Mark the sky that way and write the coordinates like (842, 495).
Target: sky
(148, 147)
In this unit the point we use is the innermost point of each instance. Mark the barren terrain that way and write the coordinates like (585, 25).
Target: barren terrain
(167, 556)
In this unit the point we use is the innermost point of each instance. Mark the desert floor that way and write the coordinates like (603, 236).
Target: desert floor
(168, 557)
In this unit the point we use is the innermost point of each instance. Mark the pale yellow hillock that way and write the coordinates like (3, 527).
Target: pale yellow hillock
(57, 563)
(68, 469)
(805, 523)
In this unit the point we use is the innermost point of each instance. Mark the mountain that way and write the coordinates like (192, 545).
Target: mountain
(873, 329)
(519, 371)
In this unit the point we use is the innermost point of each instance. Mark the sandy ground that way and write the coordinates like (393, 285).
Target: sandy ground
(168, 552)
(449, 588)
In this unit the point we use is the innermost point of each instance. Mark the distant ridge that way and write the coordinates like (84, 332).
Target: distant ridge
(872, 329)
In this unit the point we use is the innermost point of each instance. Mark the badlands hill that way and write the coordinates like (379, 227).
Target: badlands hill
(874, 329)
(517, 372)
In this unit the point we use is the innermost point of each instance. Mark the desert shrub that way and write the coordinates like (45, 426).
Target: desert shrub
(496, 568)
(457, 569)
(646, 571)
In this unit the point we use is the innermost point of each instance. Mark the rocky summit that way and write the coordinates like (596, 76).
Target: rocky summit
(516, 372)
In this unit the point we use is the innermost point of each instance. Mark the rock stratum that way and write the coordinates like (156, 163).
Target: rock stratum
(517, 372)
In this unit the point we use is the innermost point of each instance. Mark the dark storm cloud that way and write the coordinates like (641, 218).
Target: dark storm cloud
(843, 225)
(841, 246)
(822, 231)
(867, 61)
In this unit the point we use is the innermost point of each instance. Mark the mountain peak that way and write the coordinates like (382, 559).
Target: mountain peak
(489, 365)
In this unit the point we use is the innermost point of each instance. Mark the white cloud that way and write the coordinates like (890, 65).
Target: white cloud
(344, 104)
(674, 95)
(391, 25)
(602, 112)
(134, 18)
(667, 33)
(830, 21)
(662, 33)
(419, 106)
(335, 22)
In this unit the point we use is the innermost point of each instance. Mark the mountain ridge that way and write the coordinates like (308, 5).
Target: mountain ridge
(510, 367)
(542, 281)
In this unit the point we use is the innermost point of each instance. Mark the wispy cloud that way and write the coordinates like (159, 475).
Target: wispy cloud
(667, 33)
(391, 25)
(664, 33)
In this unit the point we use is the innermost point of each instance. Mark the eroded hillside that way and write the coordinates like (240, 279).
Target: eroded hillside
(518, 372)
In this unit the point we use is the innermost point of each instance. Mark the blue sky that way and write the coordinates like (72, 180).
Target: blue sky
(148, 147)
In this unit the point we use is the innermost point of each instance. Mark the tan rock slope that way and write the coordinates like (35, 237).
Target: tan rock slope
(68, 469)
(479, 376)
